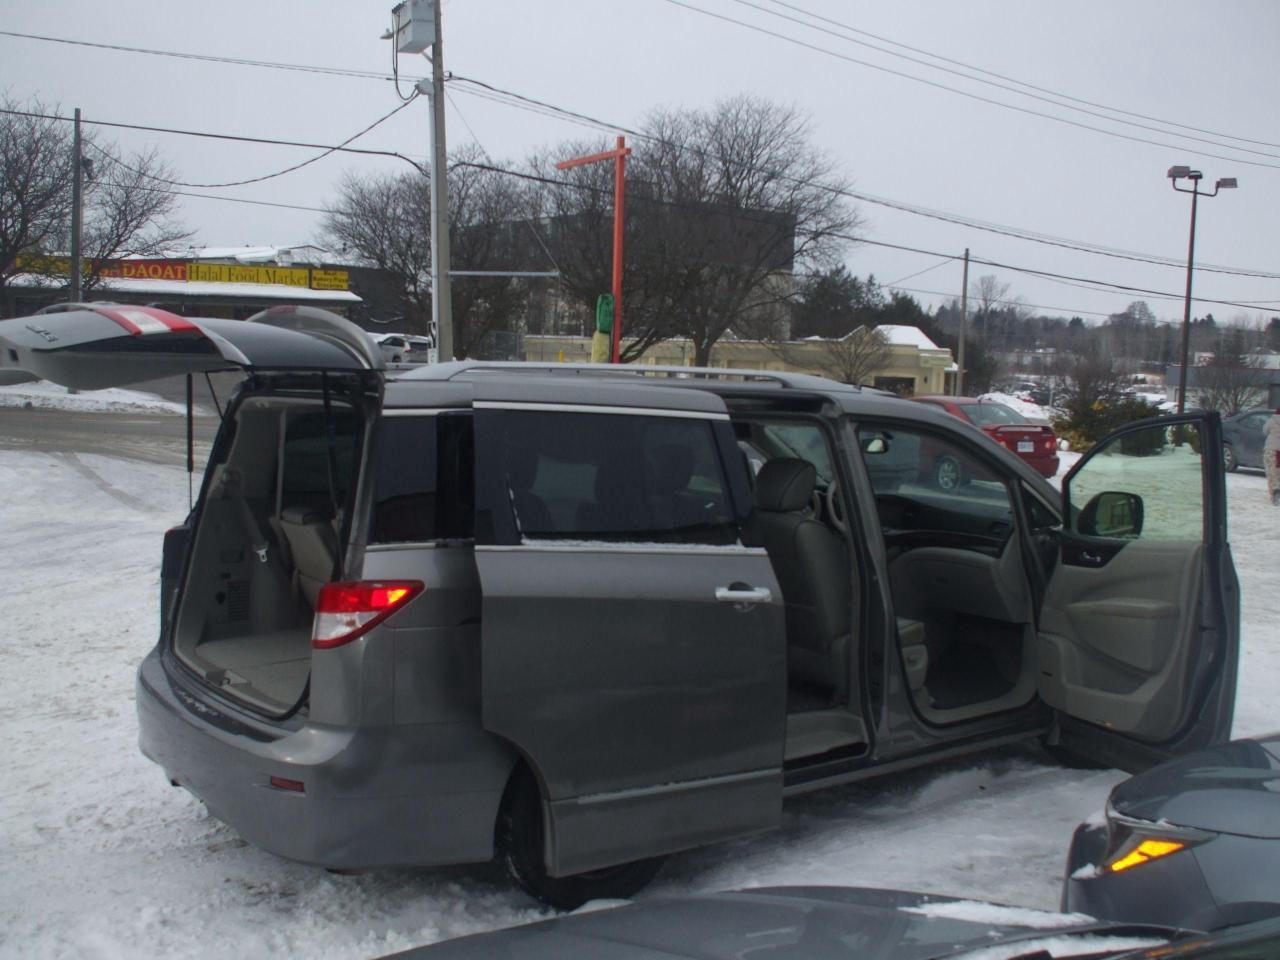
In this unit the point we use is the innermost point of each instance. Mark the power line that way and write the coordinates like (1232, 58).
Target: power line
(329, 151)
(238, 138)
(894, 246)
(1023, 83)
(963, 93)
(209, 58)
(543, 108)
(992, 83)
(214, 196)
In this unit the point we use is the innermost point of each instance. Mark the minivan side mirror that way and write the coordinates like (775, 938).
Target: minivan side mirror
(1112, 513)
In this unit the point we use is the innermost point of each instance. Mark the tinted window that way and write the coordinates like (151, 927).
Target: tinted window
(572, 476)
(925, 480)
(422, 479)
(306, 457)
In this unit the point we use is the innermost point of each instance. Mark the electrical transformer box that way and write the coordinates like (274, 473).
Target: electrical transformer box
(413, 24)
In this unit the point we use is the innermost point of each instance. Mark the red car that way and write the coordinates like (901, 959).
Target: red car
(1035, 443)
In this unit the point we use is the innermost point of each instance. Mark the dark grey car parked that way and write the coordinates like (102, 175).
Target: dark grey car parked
(553, 614)
(1194, 842)
(1242, 438)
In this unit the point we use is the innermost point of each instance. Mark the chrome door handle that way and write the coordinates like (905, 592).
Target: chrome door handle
(743, 594)
(1088, 556)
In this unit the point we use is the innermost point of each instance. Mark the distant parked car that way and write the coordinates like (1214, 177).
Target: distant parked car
(1035, 443)
(420, 349)
(1242, 438)
(395, 347)
(1194, 842)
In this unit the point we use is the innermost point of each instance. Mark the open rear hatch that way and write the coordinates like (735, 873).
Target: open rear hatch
(93, 346)
(274, 510)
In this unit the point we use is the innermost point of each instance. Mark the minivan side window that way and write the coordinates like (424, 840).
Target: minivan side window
(564, 476)
(422, 479)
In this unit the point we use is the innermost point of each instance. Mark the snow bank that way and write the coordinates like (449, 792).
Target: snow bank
(50, 396)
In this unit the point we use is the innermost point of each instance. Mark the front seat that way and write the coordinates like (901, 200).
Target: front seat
(811, 563)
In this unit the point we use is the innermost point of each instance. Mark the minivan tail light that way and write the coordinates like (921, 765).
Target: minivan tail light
(351, 609)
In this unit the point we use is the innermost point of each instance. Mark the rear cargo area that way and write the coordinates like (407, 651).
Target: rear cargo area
(267, 538)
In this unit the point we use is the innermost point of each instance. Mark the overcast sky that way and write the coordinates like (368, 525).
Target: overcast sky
(1208, 66)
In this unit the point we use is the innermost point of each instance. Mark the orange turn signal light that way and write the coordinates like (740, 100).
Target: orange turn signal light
(1145, 852)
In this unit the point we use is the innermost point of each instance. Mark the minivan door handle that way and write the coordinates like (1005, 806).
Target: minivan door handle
(741, 593)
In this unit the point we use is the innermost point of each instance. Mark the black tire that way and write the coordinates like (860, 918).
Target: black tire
(947, 473)
(521, 850)
(1229, 461)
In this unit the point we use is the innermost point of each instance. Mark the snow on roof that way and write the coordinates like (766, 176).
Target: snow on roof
(902, 335)
(291, 253)
(244, 291)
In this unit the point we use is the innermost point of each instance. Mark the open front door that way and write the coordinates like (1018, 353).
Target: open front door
(632, 648)
(1139, 630)
(93, 346)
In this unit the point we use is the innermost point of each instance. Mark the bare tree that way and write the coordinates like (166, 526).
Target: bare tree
(723, 205)
(385, 221)
(128, 206)
(855, 357)
(1228, 382)
(35, 184)
(128, 211)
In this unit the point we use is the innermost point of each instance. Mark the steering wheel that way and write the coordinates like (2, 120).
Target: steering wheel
(835, 506)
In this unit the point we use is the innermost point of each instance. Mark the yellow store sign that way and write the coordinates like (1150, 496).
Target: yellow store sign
(237, 273)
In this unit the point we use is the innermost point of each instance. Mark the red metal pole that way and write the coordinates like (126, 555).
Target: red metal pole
(619, 220)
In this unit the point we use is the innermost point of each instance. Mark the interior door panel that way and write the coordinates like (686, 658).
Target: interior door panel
(1115, 640)
(1138, 638)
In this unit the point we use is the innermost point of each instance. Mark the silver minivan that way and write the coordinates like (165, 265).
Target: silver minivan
(582, 617)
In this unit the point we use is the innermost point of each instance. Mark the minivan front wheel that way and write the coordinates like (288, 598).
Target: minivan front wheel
(521, 847)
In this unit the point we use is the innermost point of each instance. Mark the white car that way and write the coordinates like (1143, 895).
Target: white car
(395, 347)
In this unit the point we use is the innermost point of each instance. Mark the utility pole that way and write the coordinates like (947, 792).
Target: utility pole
(77, 177)
(441, 294)
(415, 25)
(964, 322)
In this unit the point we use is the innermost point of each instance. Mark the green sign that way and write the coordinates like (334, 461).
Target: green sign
(604, 313)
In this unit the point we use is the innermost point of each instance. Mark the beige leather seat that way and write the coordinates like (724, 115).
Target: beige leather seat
(811, 563)
(314, 546)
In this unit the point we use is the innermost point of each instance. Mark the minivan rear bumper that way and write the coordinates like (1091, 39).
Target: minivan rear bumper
(405, 795)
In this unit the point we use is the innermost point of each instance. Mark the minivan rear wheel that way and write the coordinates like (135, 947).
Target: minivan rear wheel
(521, 847)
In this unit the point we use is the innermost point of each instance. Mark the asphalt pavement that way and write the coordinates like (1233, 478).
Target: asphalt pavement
(145, 437)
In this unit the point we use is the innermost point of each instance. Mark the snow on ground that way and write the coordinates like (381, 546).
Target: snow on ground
(41, 393)
(99, 857)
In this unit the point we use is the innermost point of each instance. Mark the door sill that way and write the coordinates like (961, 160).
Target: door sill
(818, 732)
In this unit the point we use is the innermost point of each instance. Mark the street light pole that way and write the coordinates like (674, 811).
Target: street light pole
(1195, 176)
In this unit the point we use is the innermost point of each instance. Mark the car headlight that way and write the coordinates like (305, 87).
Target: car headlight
(1132, 843)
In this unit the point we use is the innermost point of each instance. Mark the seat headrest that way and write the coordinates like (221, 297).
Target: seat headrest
(784, 485)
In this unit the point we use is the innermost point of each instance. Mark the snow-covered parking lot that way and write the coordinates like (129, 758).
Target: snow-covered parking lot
(99, 857)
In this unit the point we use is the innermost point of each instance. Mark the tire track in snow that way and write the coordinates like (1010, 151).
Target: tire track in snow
(80, 467)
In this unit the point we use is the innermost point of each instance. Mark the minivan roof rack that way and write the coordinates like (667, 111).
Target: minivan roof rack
(779, 378)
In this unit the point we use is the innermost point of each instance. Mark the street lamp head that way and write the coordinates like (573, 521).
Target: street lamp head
(1177, 173)
(1226, 183)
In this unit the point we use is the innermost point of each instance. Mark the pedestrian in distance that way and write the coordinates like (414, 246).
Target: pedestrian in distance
(1271, 456)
